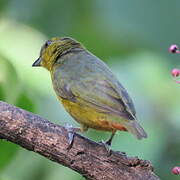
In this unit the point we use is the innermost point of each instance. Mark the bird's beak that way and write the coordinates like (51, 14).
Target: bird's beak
(37, 62)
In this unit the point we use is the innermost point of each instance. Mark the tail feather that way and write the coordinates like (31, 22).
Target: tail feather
(135, 128)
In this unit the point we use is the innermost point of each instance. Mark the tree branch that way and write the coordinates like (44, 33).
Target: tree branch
(88, 158)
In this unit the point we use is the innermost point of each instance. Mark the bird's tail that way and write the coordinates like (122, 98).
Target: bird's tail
(135, 128)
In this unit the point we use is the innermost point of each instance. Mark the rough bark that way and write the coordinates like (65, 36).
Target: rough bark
(88, 158)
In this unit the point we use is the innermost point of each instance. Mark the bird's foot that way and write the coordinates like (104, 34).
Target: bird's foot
(107, 146)
(71, 133)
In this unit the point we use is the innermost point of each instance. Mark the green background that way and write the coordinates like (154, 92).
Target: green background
(132, 37)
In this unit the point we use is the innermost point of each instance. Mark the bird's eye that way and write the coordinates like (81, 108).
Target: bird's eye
(48, 42)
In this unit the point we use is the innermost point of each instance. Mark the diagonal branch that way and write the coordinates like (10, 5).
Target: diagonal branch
(88, 158)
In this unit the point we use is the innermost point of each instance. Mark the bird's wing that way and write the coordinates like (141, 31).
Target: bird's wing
(102, 95)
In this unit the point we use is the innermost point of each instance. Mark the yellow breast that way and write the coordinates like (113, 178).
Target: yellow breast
(87, 116)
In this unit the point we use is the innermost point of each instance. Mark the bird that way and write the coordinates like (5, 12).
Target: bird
(88, 89)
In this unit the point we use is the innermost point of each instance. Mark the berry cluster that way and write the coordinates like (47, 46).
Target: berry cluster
(175, 73)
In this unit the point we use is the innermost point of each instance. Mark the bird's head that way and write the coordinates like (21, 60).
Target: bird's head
(53, 49)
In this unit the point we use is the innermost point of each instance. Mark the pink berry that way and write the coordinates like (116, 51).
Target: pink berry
(173, 48)
(175, 72)
(176, 170)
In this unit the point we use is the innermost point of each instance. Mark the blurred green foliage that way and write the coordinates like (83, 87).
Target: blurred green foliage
(131, 36)
(8, 82)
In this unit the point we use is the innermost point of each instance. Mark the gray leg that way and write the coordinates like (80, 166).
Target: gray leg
(107, 144)
(71, 132)
(109, 141)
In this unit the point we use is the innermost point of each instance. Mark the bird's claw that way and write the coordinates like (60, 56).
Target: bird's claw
(107, 146)
(71, 132)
